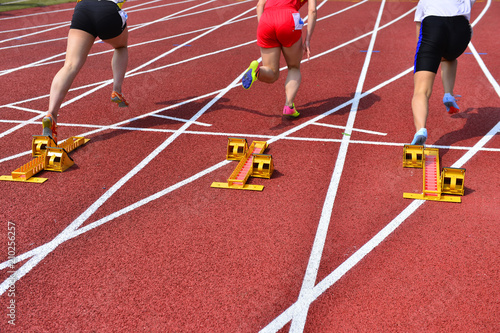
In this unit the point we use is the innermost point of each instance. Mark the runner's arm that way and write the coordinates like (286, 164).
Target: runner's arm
(311, 23)
(260, 8)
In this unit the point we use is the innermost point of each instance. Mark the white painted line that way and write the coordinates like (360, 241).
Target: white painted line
(300, 313)
(180, 119)
(34, 33)
(347, 265)
(24, 123)
(66, 233)
(289, 314)
(25, 109)
(105, 83)
(354, 129)
(8, 71)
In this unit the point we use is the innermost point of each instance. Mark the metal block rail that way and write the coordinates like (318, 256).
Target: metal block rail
(434, 185)
(252, 164)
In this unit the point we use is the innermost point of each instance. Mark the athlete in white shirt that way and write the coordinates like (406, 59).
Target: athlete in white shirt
(443, 33)
(91, 19)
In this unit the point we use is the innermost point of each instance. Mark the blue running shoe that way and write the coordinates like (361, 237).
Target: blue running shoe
(250, 75)
(450, 103)
(420, 137)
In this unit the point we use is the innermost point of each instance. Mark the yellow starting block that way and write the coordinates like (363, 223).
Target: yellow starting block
(413, 156)
(40, 143)
(252, 164)
(236, 149)
(47, 157)
(451, 181)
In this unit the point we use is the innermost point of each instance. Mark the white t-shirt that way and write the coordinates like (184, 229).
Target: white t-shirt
(443, 8)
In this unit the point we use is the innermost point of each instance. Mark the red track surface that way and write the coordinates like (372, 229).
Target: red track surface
(198, 259)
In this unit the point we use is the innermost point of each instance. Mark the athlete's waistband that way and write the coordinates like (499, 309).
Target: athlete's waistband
(281, 8)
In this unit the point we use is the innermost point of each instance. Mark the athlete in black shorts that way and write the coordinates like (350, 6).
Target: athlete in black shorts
(91, 19)
(441, 40)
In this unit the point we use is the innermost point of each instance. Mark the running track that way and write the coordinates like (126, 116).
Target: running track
(133, 239)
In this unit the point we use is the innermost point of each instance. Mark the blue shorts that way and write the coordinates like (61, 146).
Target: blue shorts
(103, 19)
(441, 37)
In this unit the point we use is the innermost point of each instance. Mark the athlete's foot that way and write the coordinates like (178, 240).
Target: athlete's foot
(450, 102)
(250, 75)
(49, 127)
(420, 137)
(290, 112)
(119, 99)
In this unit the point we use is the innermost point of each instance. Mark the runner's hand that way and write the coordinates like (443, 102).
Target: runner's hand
(307, 49)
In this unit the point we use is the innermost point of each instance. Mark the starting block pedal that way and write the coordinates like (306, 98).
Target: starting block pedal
(453, 181)
(252, 164)
(236, 149)
(450, 181)
(40, 143)
(413, 156)
(48, 157)
(58, 160)
(262, 166)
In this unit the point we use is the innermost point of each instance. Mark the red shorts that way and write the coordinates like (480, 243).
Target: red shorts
(279, 27)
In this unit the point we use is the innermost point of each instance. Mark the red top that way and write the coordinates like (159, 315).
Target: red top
(296, 4)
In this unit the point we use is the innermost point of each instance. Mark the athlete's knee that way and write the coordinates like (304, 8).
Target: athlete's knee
(275, 74)
(73, 65)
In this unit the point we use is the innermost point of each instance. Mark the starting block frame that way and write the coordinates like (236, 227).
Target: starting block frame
(47, 156)
(252, 164)
(450, 181)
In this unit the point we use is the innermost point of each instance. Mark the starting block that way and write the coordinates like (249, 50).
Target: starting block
(40, 143)
(252, 164)
(413, 156)
(450, 181)
(236, 148)
(48, 157)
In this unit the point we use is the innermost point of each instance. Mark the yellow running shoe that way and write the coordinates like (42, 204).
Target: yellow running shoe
(250, 75)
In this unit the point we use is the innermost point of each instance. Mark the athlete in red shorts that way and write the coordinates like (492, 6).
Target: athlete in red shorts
(280, 31)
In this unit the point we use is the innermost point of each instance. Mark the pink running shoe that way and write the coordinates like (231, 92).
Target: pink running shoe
(290, 111)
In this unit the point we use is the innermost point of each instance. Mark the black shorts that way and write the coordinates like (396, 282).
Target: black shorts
(99, 18)
(441, 37)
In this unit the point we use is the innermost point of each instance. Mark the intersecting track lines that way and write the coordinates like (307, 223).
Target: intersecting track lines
(70, 231)
(65, 234)
(300, 314)
(317, 290)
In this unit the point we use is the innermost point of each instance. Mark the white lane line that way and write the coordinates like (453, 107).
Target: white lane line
(286, 316)
(36, 43)
(289, 314)
(72, 8)
(347, 265)
(8, 71)
(300, 314)
(232, 134)
(353, 129)
(34, 33)
(66, 233)
(24, 123)
(105, 83)
(244, 44)
(24, 109)
(180, 119)
(274, 139)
